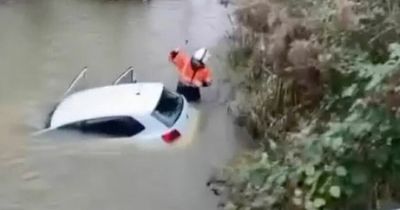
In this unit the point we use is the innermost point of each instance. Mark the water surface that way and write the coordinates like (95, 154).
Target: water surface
(45, 43)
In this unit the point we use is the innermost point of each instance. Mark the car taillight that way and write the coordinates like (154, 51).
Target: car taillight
(171, 136)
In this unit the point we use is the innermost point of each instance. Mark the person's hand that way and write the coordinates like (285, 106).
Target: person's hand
(206, 84)
(173, 53)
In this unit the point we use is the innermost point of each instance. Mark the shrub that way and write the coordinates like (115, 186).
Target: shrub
(322, 81)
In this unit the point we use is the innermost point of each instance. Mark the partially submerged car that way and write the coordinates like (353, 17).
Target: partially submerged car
(144, 112)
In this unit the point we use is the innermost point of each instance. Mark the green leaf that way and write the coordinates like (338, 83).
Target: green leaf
(319, 202)
(281, 179)
(230, 206)
(376, 79)
(336, 142)
(272, 144)
(314, 153)
(380, 155)
(315, 182)
(323, 188)
(361, 128)
(257, 177)
(298, 192)
(264, 158)
(349, 191)
(297, 201)
(341, 171)
(309, 205)
(310, 170)
(354, 116)
(271, 200)
(258, 202)
(328, 168)
(309, 181)
(396, 159)
(334, 191)
(358, 177)
(350, 91)
(395, 50)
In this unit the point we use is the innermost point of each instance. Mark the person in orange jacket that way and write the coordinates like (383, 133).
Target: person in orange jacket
(193, 72)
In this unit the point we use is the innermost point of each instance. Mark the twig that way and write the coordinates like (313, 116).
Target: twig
(267, 70)
(379, 34)
(230, 19)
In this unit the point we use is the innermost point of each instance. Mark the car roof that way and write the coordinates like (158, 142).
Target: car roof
(108, 101)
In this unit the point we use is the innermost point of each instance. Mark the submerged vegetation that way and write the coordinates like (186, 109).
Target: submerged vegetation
(321, 82)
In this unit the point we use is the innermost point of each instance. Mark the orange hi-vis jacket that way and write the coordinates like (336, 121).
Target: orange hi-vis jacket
(187, 74)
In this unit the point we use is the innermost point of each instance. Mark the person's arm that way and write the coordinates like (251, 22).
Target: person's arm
(178, 58)
(207, 78)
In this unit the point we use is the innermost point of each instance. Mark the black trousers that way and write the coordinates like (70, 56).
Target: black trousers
(192, 94)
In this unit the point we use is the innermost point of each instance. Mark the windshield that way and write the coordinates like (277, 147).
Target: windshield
(169, 108)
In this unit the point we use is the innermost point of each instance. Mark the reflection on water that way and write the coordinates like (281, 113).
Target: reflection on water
(44, 44)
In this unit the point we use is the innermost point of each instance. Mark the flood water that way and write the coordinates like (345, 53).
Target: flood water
(45, 43)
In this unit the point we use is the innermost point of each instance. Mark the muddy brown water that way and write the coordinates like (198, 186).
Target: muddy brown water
(45, 43)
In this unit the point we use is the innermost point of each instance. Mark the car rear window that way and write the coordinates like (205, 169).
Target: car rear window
(169, 108)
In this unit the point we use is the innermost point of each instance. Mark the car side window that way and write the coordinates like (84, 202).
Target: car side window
(110, 126)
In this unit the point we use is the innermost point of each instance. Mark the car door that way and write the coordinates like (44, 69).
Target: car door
(154, 128)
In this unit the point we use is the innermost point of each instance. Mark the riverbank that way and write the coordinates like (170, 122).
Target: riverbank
(317, 92)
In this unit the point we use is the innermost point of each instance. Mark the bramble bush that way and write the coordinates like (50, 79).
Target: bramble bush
(329, 141)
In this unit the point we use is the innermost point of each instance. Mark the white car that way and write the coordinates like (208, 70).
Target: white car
(142, 112)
